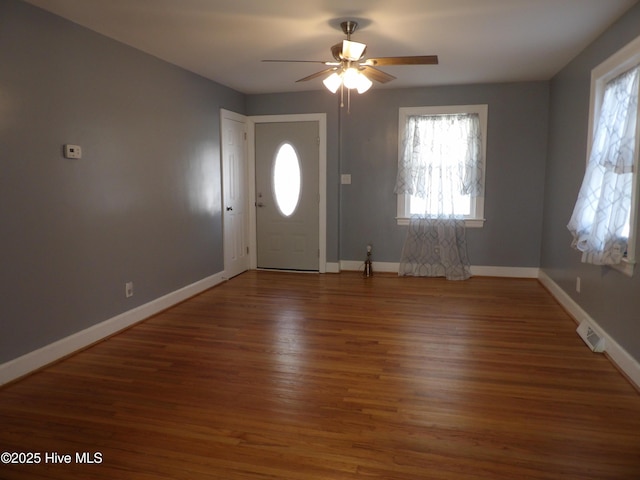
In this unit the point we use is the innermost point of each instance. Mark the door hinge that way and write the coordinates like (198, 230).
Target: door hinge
(245, 135)
(247, 250)
(318, 140)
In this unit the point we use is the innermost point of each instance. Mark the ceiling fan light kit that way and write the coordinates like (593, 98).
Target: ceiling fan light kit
(352, 71)
(352, 51)
(333, 82)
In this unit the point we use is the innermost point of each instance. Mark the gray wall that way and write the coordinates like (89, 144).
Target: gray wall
(364, 143)
(608, 296)
(142, 205)
(516, 148)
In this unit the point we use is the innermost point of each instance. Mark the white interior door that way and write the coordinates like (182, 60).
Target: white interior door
(287, 195)
(234, 185)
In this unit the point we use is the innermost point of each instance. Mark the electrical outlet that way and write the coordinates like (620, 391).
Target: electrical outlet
(578, 281)
(128, 289)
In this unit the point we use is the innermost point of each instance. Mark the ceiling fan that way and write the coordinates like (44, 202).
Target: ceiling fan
(350, 69)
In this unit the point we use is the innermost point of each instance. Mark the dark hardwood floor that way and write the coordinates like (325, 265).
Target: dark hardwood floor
(302, 376)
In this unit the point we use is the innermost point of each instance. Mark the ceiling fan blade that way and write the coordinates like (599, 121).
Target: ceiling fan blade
(415, 60)
(377, 75)
(303, 61)
(317, 74)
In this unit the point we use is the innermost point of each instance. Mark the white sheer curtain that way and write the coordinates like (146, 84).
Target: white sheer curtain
(435, 248)
(441, 169)
(600, 220)
(441, 162)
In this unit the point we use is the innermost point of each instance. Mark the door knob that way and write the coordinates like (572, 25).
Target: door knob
(229, 209)
(259, 204)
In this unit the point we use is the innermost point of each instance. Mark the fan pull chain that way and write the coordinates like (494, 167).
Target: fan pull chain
(348, 98)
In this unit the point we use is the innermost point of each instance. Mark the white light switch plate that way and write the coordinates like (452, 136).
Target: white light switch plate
(345, 179)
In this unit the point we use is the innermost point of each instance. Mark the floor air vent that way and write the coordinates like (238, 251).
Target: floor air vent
(593, 339)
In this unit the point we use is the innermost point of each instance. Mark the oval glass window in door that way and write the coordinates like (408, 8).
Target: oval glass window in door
(286, 179)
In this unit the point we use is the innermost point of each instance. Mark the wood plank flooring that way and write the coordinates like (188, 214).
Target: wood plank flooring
(301, 376)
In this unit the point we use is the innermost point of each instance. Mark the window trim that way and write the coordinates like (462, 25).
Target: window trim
(476, 220)
(624, 59)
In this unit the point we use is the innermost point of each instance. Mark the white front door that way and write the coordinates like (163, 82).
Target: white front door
(234, 185)
(287, 195)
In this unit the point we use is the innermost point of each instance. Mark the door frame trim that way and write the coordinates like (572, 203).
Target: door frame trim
(321, 118)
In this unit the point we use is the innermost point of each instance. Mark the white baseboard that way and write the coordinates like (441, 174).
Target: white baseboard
(357, 265)
(392, 267)
(332, 267)
(510, 272)
(37, 359)
(618, 355)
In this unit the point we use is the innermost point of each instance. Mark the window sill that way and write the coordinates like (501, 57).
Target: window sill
(625, 266)
(469, 222)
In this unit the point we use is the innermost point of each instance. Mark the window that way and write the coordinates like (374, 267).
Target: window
(603, 223)
(441, 162)
(286, 179)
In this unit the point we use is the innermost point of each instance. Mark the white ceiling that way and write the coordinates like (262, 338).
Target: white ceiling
(477, 41)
